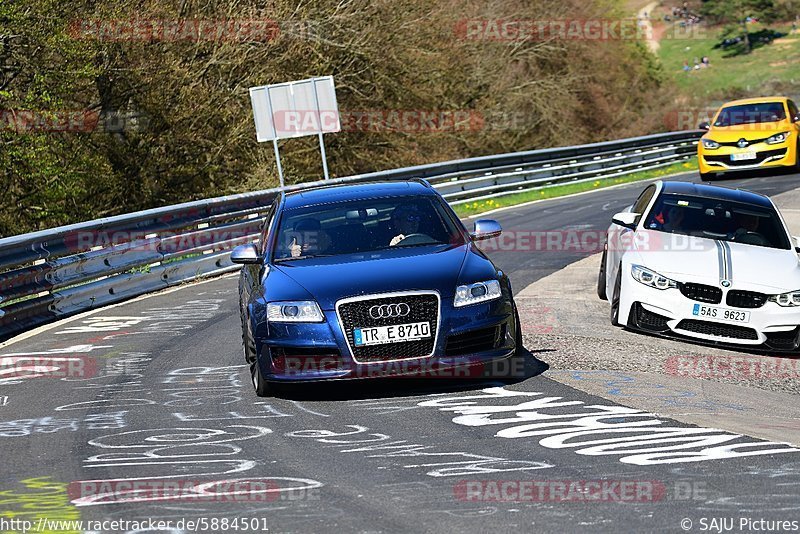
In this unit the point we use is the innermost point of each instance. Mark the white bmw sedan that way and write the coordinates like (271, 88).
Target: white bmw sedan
(698, 261)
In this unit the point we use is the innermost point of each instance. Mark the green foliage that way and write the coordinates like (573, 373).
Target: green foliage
(190, 131)
(736, 11)
(734, 14)
(770, 69)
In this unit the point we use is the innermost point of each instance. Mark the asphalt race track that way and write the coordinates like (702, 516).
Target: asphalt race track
(156, 393)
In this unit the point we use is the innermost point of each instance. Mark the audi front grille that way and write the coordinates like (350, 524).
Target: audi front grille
(387, 310)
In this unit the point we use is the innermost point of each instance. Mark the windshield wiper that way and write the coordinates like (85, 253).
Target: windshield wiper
(715, 234)
(278, 260)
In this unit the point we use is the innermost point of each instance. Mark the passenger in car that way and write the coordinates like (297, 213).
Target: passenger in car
(675, 217)
(309, 239)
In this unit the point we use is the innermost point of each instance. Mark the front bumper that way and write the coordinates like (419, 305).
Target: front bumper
(670, 313)
(469, 339)
(719, 160)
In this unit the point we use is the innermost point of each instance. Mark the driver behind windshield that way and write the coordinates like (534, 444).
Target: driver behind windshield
(403, 223)
(748, 230)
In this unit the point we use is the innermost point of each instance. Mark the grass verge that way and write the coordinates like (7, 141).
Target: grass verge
(474, 208)
(771, 67)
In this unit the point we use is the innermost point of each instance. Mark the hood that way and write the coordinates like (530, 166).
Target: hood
(686, 258)
(731, 134)
(439, 268)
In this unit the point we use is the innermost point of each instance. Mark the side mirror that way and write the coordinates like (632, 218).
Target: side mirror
(486, 229)
(796, 243)
(626, 219)
(704, 126)
(245, 254)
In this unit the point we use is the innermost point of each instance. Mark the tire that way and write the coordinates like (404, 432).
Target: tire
(615, 298)
(261, 386)
(518, 337)
(516, 363)
(601, 278)
(707, 176)
(247, 342)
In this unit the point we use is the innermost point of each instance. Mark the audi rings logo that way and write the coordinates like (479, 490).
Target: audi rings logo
(386, 311)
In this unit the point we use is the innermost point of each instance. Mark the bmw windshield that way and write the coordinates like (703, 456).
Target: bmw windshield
(360, 226)
(717, 219)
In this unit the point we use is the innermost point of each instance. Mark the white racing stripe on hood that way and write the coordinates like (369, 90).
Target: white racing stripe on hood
(725, 261)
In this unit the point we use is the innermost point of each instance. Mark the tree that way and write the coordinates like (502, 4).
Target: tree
(737, 14)
(193, 134)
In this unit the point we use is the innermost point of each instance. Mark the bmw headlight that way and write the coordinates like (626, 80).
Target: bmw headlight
(710, 145)
(304, 311)
(650, 278)
(778, 138)
(787, 300)
(477, 292)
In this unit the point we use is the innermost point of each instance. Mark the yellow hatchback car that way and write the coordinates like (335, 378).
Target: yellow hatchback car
(750, 134)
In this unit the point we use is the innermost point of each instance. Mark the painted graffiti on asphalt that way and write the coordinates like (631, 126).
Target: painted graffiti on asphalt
(450, 463)
(49, 425)
(635, 436)
(162, 320)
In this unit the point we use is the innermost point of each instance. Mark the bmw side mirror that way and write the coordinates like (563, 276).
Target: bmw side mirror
(704, 126)
(626, 219)
(796, 243)
(245, 254)
(486, 229)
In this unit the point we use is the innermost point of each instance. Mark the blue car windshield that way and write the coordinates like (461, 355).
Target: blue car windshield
(717, 219)
(364, 225)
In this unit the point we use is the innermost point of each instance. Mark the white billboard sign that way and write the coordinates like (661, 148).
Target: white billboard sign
(295, 109)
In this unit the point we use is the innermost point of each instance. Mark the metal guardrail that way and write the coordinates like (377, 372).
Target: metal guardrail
(55, 273)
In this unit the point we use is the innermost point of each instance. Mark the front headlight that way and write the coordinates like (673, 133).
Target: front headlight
(645, 276)
(778, 138)
(477, 292)
(304, 311)
(710, 145)
(787, 300)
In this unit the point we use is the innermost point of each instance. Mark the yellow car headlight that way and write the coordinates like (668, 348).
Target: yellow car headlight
(710, 145)
(778, 138)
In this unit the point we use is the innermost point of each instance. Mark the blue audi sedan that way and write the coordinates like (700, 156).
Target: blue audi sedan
(370, 280)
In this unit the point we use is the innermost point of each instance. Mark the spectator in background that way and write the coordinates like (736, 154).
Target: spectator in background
(686, 67)
(706, 61)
